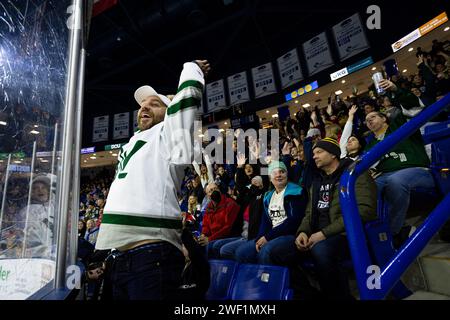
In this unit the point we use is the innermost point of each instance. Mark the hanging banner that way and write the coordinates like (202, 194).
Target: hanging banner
(135, 121)
(121, 125)
(238, 88)
(101, 126)
(215, 96)
(317, 54)
(289, 67)
(263, 80)
(350, 37)
(419, 32)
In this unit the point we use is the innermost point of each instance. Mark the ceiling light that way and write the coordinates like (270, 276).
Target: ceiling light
(34, 132)
(317, 92)
(17, 161)
(338, 92)
(410, 49)
(36, 126)
(374, 68)
(296, 101)
(95, 154)
(1, 161)
(3, 123)
(267, 111)
(201, 135)
(275, 115)
(446, 29)
(93, 158)
(343, 81)
(44, 161)
(114, 154)
(85, 161)
(221, 130)
(225, 123)
(306, 105)
(405, 70)
(110, 152)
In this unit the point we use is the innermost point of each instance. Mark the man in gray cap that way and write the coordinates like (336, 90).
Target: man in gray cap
(142, 218)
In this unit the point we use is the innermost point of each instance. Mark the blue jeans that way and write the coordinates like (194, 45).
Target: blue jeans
(215, 246)
(396, 187)
(246, 253)
(149, 272)
(228, 250)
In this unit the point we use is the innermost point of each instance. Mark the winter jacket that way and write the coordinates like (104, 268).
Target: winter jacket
(218, 219)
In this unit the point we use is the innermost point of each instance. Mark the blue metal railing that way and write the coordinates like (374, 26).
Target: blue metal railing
(398, 264)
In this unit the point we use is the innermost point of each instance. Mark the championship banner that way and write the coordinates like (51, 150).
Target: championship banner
(101, 126)
(350, 37)
(263, 80)
(289, 67)
(317, 54)
(121, 125)
(238, 88)
(215, 96)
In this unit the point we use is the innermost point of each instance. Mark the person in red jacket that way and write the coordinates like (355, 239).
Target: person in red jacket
(218, 220)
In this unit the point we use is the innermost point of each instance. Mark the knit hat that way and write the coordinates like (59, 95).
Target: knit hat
(276, 165)
(330, 145)
(257, 179)
(145, 91)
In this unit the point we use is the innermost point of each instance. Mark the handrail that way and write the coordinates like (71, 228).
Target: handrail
(398, 264)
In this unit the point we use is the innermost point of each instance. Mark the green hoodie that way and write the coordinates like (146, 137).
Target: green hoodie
(409, 153)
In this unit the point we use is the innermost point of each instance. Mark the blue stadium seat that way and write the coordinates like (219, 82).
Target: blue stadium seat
(261, 282)
(223, 273)
(439, 137)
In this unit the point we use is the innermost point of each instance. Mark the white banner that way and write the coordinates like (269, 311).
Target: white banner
(121, 125)
(215, 96)
(350, 37)
(317, 54)
(263, 81)
(101, 127)
(21, 278)
(135, 121)
(238, 88)
(289, 67)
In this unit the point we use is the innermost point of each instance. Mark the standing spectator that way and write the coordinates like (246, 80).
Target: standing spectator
(91, 231)
(142, 215)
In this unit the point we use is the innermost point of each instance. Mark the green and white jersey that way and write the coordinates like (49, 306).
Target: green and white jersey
(142, 202)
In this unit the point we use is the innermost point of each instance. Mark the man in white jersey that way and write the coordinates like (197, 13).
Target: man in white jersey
(142, 217)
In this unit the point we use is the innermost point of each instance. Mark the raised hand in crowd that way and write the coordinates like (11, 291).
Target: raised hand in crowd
(388, 85)
(286, 149)
(240, 158)
(204, 65)
(352, 111)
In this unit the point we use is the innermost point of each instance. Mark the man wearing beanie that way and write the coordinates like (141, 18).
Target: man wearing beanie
(283, 211)
(321, 233)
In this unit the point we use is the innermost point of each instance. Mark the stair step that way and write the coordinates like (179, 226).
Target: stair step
(426, 295)
(435, 262)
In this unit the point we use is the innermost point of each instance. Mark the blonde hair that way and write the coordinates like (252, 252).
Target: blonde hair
(332, 131)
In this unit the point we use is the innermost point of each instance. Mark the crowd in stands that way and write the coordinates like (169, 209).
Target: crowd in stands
(293, 213)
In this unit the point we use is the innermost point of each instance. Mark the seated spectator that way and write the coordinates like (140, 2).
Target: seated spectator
(218, 219)
(351, 144)
(321, 233)
(91, 231)
(404, 168)
(284, 208)
(225, 248)
(81, 228)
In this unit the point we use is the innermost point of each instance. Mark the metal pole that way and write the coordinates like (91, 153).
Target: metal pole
(52, 177)
(76, 170)
(4, 193)
(30, 191)
(67, 146)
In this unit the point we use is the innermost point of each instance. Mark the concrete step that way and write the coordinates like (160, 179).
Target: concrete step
(426, 295)
(435, 264)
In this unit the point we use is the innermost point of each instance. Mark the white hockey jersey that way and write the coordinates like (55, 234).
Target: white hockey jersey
(142, 202)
